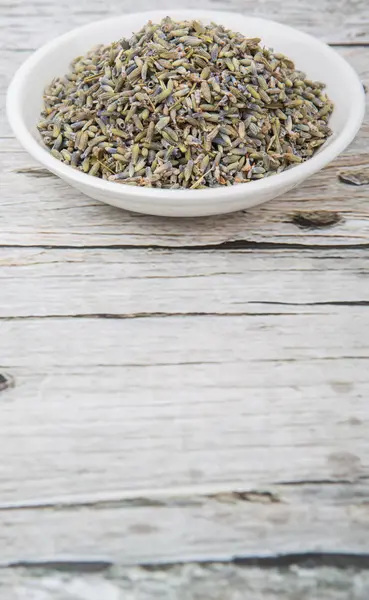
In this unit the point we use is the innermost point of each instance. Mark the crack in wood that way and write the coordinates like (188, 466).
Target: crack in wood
(312, 560)
(349, 44)
(177, 497)
(340, 560)
(229, 245)
(173, 499)
(154, 315)
(167, 315)
(323, 482)
(68, 566)
(322, 303)
(261, 497)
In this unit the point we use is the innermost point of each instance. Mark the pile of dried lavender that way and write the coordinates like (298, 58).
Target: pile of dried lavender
(184, 105)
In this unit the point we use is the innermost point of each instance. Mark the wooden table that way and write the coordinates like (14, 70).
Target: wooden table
(183, 403)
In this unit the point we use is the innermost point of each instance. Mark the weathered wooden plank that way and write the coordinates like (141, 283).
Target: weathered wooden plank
(43, 210)
(182, 400)
(253, 523)
(132, 282)
(189, 582)
(197, 420)
(28, 28)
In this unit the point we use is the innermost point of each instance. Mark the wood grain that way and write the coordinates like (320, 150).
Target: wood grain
(47, 212)
(347, 22)
(183, 390)
(189, 582)
(182, 399)
(132, 283)
(184, 525)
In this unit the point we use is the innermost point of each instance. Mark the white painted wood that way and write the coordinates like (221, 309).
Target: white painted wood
(134, 282)
(135, 403)
(329, 518)
(190, 582)
(182, 404)
(46, 211)
(214, 403)
(85, 430)
(28, 28)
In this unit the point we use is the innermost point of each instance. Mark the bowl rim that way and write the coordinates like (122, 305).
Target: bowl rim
(285, 179)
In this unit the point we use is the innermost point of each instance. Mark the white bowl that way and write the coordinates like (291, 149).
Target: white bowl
(319, 61)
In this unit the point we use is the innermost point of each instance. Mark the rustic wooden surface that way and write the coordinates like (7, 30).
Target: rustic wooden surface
(189, 582)
(183, 404)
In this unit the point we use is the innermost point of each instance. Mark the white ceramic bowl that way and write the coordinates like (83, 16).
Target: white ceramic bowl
(24, 103)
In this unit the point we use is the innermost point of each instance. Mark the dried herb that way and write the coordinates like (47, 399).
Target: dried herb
(184, 105)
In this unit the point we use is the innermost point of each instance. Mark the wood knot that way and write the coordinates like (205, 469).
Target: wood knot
(6, 381)
(355, 176)
(315, 219)
(261, 497)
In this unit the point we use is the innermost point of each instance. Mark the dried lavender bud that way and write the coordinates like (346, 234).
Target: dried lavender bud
(184, 105)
